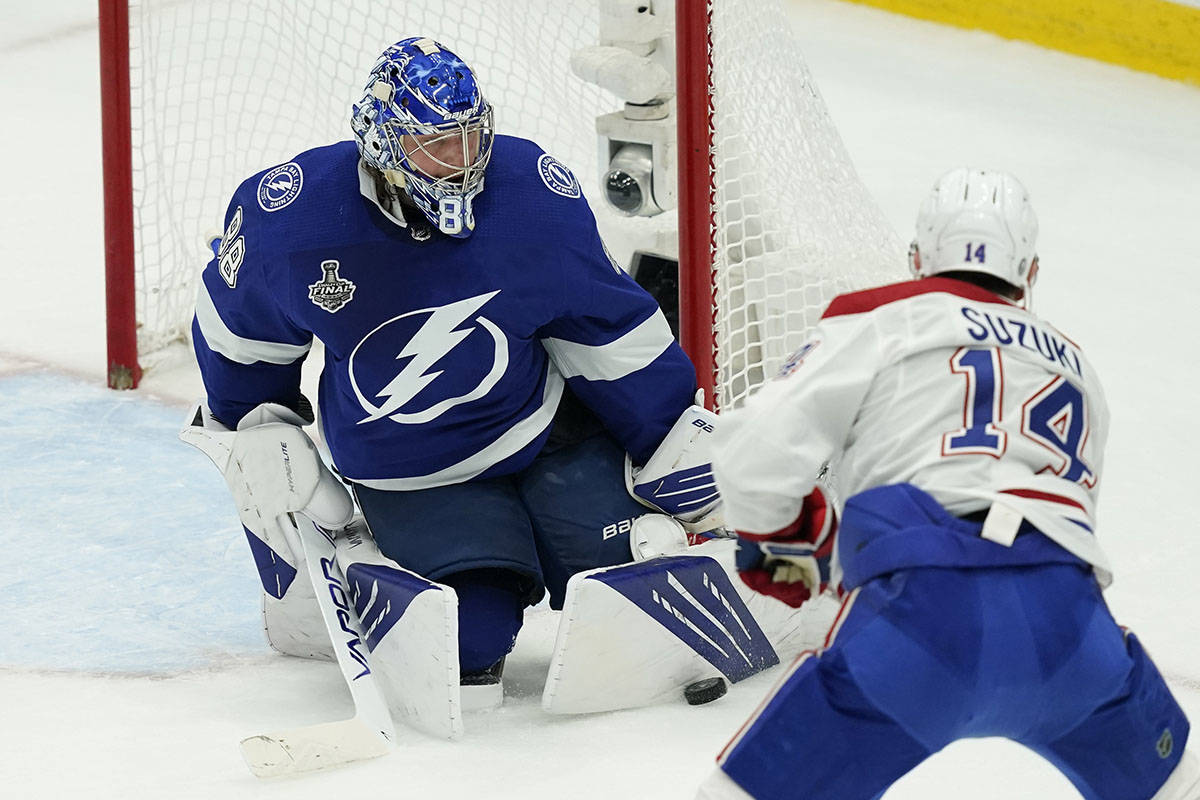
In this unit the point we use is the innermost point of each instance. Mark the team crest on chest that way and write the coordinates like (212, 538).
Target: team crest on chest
(332, 291)
(415, 367)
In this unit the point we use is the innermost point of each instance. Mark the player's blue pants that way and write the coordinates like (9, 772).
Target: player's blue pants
(503, 542)
(922, 657)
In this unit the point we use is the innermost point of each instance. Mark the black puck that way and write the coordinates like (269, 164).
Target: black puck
(705, 691)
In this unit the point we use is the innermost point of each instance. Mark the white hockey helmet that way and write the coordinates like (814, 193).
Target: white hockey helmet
(977, 221)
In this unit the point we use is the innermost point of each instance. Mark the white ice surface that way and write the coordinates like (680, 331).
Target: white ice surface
(130, 660)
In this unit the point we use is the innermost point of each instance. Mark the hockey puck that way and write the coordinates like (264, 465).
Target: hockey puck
(705, 691)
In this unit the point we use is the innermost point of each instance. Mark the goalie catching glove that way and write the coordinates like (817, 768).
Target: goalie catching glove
(677, 479)
(791, 564)
(272, 469)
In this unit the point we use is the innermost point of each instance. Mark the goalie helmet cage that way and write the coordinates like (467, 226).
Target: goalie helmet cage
(772, 220)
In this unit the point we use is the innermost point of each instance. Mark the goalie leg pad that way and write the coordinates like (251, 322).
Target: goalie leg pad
(274, 571)
(293, 624)
(639, 633)
(411, 628)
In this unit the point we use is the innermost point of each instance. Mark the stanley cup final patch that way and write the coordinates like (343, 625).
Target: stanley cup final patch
(557, 177)
(331, 292)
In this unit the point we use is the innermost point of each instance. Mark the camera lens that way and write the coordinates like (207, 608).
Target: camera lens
(623, 192)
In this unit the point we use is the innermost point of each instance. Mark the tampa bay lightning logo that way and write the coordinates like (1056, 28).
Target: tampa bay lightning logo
(557, 177)
(280, 186)
(439, 354)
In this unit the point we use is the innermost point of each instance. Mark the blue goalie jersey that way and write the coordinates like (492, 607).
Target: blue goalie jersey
(445, 359)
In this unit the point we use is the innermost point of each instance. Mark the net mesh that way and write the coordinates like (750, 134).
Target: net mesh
(224, 89)
(795, 225)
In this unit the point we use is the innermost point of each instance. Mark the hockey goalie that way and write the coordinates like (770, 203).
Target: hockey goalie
(502, 404)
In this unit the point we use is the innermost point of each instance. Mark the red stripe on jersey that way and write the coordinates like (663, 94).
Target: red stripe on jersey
(1033, 494)
(871, 299)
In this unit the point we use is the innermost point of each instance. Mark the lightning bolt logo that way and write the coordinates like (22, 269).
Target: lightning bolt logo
(280, 186)
(435, 339)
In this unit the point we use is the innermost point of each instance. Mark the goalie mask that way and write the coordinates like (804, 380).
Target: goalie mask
(423, 123)
(977, 221)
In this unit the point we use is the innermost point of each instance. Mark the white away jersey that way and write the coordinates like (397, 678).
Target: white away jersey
(936, 383)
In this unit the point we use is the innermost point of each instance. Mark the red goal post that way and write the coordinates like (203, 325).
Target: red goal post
(771, 219)
(120, 278)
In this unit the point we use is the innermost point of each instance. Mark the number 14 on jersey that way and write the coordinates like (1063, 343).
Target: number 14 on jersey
(1054, 417)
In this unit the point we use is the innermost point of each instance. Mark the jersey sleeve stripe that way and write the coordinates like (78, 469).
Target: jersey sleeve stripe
(635, 350)
(238, 348)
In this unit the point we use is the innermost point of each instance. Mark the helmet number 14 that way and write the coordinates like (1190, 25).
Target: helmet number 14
(980, 254)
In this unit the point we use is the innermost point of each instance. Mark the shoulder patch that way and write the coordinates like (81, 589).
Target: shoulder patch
(557, 177)
(280, 186)
(796, 359)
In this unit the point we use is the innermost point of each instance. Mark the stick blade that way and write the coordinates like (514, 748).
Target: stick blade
(314, 747)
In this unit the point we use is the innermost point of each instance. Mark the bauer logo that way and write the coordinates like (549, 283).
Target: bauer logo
(557, 177)
(280, 186)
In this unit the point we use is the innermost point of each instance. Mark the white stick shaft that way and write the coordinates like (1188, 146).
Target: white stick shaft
(350, 645)
(370, 732)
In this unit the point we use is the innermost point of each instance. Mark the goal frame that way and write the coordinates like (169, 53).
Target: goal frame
(120, 287)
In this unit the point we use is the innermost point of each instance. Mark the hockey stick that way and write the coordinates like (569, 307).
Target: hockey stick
(369, 733)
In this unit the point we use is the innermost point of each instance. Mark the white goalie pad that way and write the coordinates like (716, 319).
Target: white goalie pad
(410, 625)
(790, 630)
(293, 623)
(639, 633)
(411, 628)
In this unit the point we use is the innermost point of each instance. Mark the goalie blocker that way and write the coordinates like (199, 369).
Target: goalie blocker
(677, 479)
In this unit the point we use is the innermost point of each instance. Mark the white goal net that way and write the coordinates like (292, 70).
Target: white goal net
(222, 89)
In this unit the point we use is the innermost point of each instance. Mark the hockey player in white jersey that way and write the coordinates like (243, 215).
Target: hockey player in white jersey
(968, 438)
(488, 367)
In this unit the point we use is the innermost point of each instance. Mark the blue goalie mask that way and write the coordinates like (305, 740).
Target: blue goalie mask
(423, 123)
